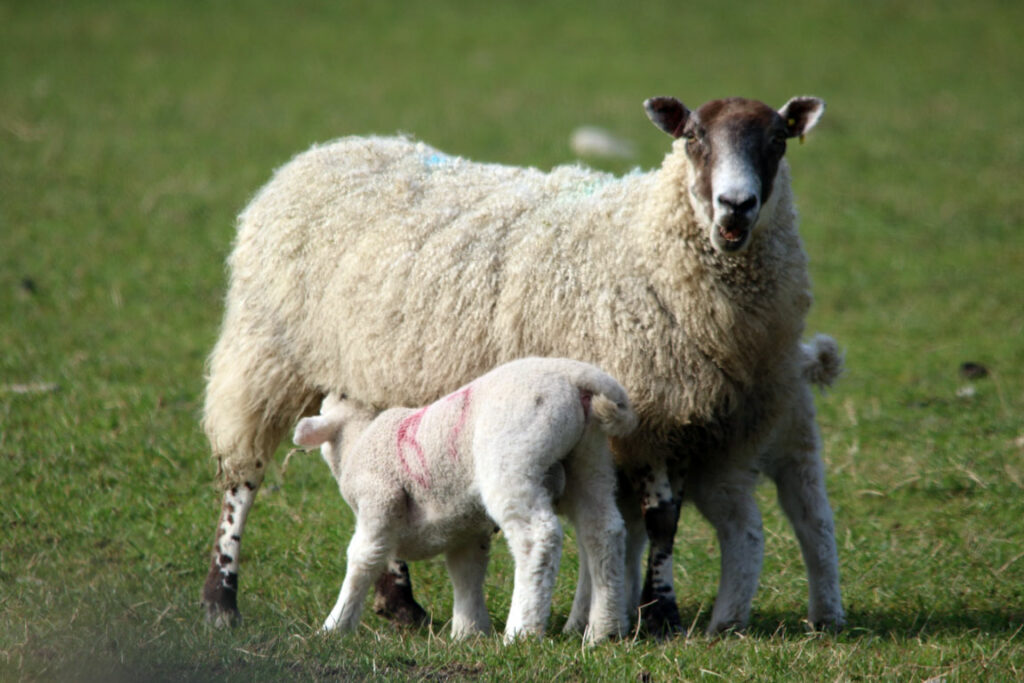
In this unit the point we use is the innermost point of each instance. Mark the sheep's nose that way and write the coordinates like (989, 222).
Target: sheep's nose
(738, 205)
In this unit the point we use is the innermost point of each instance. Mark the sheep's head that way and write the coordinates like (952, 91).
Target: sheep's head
(338, 419)
(735, 146)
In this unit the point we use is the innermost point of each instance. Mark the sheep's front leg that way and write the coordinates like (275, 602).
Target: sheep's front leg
(367, 557)
(220, 592)
(660, 505)
(726, 499)
(467, 568)
(393, 597)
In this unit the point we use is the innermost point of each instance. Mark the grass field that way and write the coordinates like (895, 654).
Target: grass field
(132, 133)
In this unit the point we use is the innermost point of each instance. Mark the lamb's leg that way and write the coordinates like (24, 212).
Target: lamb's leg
(661, 505)
(628, 502)
(536, 544)
(467, 568)
(393, 597)
(367, 557)
(726, 499)
(799, 475)
(600, 531)
(579, 615)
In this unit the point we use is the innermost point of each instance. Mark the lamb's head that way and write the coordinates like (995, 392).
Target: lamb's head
(735, 147)
(339, 420)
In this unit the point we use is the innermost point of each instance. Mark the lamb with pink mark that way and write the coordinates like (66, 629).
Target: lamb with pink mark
(515, 447)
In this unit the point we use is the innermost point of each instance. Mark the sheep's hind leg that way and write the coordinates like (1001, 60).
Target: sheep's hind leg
(467, 568)
(393, 598)
(367, 556)
(250, 403)
(601, 535)
(220, 592)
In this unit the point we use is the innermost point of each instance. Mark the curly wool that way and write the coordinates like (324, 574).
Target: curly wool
(386, 270)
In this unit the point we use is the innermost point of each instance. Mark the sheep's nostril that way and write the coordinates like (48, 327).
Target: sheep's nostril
(739, 206)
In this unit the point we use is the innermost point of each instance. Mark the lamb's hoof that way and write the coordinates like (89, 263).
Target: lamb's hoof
(661, 618)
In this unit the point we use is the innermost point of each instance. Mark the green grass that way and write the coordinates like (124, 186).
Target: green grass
(132, 133)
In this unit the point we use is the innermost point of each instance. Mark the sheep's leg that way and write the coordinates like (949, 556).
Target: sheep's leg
(220, 592)
(250, 403)
(801, 490)
(661, 505)
(579, 615)
(636, 540)
(393, 597)
(600, 531)
(799, 475)
(367, 558)
(535, 540)
(726, 499)
(467, 568)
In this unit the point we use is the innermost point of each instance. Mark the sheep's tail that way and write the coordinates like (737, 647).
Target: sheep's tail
(822, 361)
(608, 403)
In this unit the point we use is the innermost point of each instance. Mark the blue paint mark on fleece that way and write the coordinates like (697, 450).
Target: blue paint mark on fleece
(436, 160)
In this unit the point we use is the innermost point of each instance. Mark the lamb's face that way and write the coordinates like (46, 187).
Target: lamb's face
(734, 146)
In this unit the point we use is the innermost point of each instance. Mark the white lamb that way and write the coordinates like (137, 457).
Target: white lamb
(385, 270)
(510, 448)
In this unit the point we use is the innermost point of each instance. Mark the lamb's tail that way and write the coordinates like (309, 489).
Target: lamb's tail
(609, 403)
(822, 361)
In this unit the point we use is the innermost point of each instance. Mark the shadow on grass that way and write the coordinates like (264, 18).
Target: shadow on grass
(899, 624)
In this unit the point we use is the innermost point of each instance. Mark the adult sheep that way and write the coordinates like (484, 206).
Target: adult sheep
(385, 270)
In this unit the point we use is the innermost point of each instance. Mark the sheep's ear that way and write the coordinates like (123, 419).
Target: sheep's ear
(801, 114)
(315, 431)
(667, 113)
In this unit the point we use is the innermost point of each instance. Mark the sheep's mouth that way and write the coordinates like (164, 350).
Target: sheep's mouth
(733, 237)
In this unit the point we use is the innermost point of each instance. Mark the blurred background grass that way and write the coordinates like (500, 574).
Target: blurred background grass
(132, 133)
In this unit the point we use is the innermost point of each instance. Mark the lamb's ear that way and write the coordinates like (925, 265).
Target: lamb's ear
(667, 113)
(801, 114)
(315, 431)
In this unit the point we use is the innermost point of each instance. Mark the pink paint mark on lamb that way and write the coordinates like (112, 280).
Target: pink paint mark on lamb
(407, 442)
(453, 436)
(585, 398)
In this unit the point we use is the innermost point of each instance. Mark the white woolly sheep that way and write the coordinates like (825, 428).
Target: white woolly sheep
(385, 270)
(511, 447)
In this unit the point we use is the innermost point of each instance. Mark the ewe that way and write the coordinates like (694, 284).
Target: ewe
(387, 271)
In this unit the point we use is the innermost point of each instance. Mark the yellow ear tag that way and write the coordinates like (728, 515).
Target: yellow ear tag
(791, 123)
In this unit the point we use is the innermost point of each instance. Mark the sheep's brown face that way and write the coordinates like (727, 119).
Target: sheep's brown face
(735, 146)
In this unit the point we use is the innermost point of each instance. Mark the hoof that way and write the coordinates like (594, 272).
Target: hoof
(394, 600)
(725, 628)
(833, 624)
(661, 618)
(220, 617)
(220, 597)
